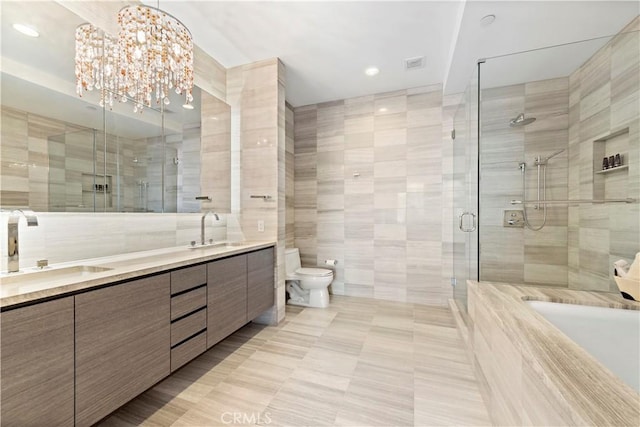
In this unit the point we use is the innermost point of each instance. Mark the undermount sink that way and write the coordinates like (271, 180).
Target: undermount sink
(218, 245)
(49, 273)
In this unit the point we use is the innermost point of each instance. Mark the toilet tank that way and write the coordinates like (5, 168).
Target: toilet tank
(291, 260)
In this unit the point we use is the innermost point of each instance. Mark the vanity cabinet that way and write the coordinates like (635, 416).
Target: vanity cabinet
(123, 341)
(36, 362)
(239, 288)
(188, 314)
(227, 297)
(76, 359)
(260, 282)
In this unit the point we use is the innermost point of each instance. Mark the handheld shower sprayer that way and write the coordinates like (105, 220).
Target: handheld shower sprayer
(541, 163)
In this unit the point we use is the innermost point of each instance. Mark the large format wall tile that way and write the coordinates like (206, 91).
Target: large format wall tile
(516, 254)
(604, 99)
(368, 192)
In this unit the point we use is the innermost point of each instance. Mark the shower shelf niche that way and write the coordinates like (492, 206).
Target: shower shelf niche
(617, 168)
(606, 183)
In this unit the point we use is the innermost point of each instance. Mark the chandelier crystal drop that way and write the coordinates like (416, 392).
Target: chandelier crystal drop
(96, 63)
(156, 55)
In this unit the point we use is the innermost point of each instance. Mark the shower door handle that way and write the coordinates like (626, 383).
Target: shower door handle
(474, 222)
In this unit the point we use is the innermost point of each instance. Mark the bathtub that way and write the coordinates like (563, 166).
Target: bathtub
(610, 335)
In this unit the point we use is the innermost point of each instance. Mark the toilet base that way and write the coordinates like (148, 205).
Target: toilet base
(318, 298)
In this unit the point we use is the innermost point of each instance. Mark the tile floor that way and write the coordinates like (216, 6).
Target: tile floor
(361, 362)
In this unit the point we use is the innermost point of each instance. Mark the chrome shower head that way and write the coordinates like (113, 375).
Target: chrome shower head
(521, 121)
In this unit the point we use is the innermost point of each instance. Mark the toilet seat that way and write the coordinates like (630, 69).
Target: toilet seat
(315, 272)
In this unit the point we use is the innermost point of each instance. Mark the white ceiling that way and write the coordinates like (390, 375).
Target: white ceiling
(327, 45)
(526, 25)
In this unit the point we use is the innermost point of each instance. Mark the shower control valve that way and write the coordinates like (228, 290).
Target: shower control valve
(513, 219)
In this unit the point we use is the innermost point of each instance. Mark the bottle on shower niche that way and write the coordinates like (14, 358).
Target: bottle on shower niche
(605, 163)
(617, 160)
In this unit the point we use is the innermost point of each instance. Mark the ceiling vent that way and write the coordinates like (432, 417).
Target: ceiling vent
(414, 63)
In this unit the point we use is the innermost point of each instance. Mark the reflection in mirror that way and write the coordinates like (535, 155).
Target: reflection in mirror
(64, 153)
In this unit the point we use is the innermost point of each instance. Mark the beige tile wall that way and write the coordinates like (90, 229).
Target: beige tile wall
(368, 193)
(521, 255)
(255, 93)
(289, 175)
(605, 98)
(214, 163)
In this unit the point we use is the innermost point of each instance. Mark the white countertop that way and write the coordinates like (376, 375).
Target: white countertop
(33, 284)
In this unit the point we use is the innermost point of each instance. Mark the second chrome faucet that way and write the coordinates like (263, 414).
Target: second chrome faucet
(202, 225)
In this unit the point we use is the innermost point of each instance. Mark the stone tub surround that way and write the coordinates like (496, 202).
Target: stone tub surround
(123, 267)
(533, 374)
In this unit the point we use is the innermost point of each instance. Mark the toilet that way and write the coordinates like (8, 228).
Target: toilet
(306, 286)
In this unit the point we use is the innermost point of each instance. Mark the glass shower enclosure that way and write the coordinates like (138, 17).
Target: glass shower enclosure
(465, 192)
(534, 200)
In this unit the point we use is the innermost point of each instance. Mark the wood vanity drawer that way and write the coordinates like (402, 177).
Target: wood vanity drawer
(187, 326)
(188, 350)
(188, 302)
(187, 278)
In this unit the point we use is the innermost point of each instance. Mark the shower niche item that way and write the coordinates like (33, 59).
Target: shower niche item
(612, 182)
(97, 191)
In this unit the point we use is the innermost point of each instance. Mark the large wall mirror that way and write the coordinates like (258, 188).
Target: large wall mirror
(65, 153)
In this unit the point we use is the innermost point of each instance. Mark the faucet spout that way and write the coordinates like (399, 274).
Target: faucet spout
(202, 224)
(13, 251)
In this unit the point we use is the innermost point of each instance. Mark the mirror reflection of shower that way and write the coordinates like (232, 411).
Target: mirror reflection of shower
(143, 196)
(541, 166)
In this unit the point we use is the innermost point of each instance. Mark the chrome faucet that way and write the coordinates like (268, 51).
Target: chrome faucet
(12, 233)
(202, 224)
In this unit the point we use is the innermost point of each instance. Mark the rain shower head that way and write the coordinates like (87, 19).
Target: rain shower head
(521, 121)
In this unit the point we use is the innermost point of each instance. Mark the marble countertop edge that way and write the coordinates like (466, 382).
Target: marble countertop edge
(118, 268)
(594, 394)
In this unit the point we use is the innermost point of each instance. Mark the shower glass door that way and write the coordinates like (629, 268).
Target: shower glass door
(465, 193)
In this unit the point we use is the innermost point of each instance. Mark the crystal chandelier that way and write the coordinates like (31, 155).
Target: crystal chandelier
(97, 61)
(152, 55)
(157, 55)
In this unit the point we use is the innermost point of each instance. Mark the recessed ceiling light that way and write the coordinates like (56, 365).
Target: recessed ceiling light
(382, 109)
(371, 71)
(487, 20)
(26, 30)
